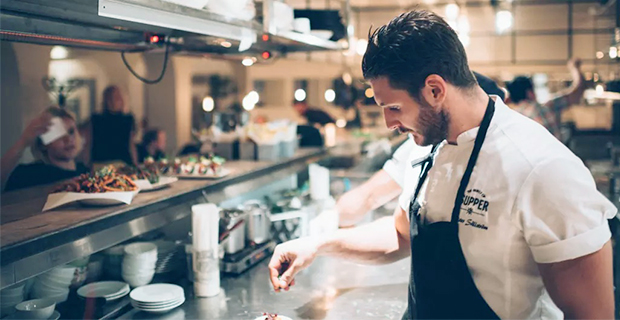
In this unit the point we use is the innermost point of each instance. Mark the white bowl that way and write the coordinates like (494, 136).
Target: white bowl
(56, 296)
(141, 249)
(138, 280)
(37, 308)
(323, 34)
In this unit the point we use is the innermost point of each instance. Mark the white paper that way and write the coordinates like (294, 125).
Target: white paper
(58, 199)
(55, 131)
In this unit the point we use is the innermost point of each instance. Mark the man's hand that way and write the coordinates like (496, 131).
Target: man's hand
(289, 258)
(36, 127)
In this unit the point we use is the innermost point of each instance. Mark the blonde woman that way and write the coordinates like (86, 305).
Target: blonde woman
(55, 161)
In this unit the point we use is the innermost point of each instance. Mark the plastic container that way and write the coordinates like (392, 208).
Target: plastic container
(288, 148)
(268, 152)
(247, 150)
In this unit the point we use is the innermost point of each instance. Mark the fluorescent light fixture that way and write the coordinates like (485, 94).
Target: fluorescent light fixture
(300, 94)
(503, 21)
(330, 95)
(137, 11)
(599, 89)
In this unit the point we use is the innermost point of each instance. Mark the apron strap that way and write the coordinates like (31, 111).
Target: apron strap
(482, 133)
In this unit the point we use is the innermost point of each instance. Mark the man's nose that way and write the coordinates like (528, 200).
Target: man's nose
(390, 121)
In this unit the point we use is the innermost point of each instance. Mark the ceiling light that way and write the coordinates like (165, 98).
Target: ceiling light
(249, 101)
(253, 96)
(248, 62)
(369, 93)
(600, 89)
(300, 94)
(208, 104)
(347, 78)
(341, 123)
(464, 39)
(463, 25)
(360, 46)
(600, 55)
(59, 53)
(330, 95)
(452, 11)
(613, 52)
(503, 21)
(226, 44)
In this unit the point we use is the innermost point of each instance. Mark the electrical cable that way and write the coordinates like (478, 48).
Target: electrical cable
(163, 68)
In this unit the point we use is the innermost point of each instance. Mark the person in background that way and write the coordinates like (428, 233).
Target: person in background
(111, 134)
(153, 145)
(388, 183)
(55, 161)
(314, 116)
(549, 114)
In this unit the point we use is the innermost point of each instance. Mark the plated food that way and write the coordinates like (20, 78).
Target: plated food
(199, 168)
(106, 179)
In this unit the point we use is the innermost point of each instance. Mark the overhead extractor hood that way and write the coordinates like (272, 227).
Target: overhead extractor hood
(122, 25)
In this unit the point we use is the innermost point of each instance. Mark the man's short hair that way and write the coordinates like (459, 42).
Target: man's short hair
(519, 87)
(413, 46)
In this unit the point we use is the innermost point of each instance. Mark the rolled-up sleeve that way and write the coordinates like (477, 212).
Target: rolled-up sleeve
(561, 213)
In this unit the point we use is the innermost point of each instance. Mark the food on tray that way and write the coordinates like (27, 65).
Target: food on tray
(271, 316)
(161, 165)
(203, 166)
(150, 173)
(106, 179)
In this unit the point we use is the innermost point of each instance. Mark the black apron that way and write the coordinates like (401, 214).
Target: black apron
(441, 285)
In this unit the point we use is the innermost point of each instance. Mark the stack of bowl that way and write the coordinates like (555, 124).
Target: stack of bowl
(54, 284)
(113, 261)
(10, 297)
(139, 263)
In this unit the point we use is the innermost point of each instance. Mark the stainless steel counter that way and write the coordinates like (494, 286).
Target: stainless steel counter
(329, 289)
(32, 241)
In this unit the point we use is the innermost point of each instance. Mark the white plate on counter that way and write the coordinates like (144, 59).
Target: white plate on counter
(222, 174)
(110, 290)
(164, 182)
(155, 294)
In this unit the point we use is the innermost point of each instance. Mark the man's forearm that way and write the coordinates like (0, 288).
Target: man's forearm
(374, 243)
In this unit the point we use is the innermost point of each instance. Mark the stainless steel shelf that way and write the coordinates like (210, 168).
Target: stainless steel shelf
(31, 257)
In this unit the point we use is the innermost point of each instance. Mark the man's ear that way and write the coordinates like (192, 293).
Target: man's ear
(434, 90)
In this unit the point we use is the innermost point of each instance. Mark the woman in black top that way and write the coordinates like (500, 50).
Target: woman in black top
(55, 161)
(111, 133)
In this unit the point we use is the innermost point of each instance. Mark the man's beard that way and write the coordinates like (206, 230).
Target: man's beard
(433, 125)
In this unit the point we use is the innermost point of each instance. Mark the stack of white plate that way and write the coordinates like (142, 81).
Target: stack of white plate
(157, 298)
(109, 290)
(139, 263)
(10, 297)
(54, 284)
(170, 257)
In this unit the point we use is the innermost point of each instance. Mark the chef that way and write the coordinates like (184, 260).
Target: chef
(388, 183)
(505, 221)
